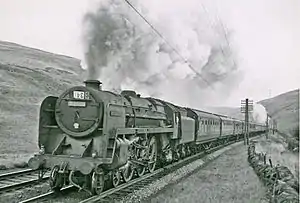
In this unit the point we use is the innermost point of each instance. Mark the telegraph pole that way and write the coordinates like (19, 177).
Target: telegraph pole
(246, 107)
(274, 126)
(267, 124)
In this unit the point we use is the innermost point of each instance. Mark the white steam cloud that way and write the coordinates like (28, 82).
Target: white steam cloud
(259, 113)
(124, 53)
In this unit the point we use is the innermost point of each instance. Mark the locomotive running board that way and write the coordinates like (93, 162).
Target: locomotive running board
(127, 131)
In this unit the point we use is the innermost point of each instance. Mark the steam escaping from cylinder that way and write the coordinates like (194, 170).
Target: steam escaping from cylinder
(125, 53)
(259, 113)
(83, 65)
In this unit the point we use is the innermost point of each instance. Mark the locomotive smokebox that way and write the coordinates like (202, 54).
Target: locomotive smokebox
(95, 84)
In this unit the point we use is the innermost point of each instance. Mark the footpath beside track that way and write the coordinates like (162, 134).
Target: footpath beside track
(229, 178)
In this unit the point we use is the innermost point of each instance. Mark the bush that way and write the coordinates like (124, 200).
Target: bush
(293, 143)
(295, 133)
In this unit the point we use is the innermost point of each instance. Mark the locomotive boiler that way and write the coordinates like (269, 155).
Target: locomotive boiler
(94, 139)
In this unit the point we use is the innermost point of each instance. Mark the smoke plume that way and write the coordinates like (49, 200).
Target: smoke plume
(259, 113)
(125, 53)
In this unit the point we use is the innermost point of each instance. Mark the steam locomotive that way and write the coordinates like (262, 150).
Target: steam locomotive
(94, 139)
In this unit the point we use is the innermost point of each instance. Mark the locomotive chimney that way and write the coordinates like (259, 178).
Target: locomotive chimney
(95, 84)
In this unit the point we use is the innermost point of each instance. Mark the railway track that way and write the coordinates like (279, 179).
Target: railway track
(124, 189)
(48, 195)
(19, 179)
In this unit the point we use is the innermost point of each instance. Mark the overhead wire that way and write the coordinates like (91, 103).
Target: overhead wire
(224, 33)
(170, 45)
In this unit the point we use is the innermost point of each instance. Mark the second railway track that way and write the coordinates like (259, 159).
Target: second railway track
(20, 179)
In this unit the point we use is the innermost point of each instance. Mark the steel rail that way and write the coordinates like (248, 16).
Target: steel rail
(19, 179)
(47, 195)
(127, 188)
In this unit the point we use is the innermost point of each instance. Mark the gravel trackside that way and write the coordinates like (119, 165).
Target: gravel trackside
(227, 179)
(222, 180)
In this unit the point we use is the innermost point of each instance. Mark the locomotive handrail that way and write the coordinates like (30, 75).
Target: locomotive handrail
(68, 99)
(141, 107)
(50, 126)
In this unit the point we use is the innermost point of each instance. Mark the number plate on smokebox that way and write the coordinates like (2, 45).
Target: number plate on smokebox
(78, 94)
(76, 103)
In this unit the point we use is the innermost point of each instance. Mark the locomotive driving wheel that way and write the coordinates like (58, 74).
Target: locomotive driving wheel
(97, 182)
(55, 179)
(152, 154)
(140, 170)
(127, 173)
(115, 178)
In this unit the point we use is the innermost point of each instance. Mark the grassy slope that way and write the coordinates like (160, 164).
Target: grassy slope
(27, 77)
(284, 108)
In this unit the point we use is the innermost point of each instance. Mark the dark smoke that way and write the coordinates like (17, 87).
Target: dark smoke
(124, 53)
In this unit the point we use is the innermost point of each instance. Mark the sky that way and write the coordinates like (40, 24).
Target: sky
(266, 36)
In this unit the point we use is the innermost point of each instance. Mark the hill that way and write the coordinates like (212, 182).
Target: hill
(284, 108)
(27, 76)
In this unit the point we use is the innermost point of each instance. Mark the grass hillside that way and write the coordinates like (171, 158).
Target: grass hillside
(27, 76)
(284, 108)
